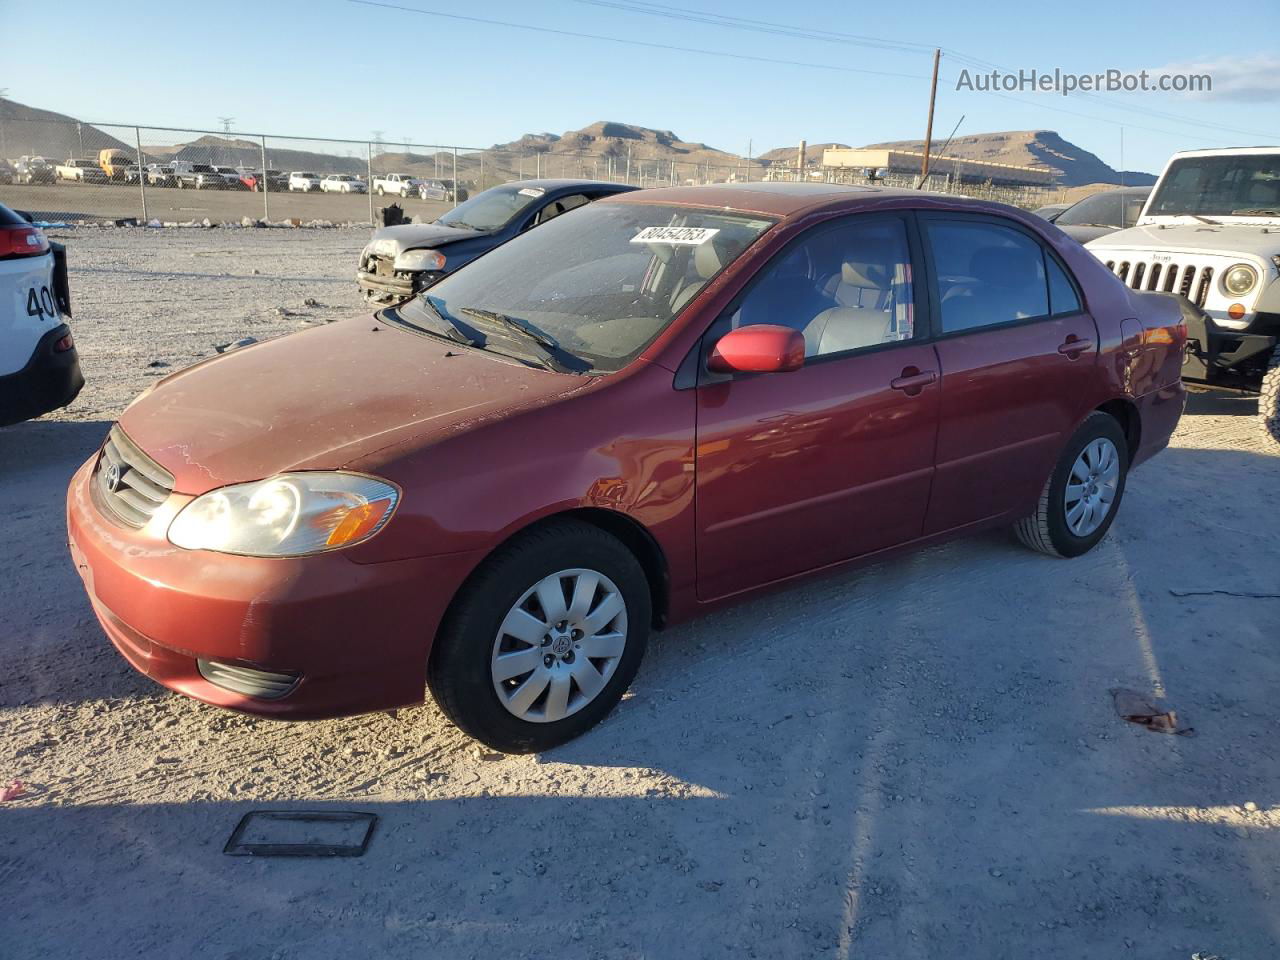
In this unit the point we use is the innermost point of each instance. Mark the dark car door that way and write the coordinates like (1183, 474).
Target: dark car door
(1017, 355)
(798, 470)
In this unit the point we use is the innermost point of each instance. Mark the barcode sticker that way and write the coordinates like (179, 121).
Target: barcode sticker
(678, 236)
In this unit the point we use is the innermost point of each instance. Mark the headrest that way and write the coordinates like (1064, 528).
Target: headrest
(706, 259)
(1006, 267)
(874, 275)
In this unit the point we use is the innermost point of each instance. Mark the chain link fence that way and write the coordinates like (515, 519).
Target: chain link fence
(61, 171)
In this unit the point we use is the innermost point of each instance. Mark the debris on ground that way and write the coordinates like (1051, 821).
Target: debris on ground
(12, 791)
(301, 833)
(228, 347)
(1136, 708)
(157, 363)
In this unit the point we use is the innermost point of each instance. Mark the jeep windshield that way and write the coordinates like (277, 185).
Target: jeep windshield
(1222, 185)
(595, 288)
(493, 209)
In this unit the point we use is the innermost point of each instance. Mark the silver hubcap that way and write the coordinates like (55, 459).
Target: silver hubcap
(559, 645)
(1092, 486)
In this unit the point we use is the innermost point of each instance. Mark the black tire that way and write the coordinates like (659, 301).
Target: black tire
(1046, 529)
(1269, 400)
(459, 672)
(379, 191)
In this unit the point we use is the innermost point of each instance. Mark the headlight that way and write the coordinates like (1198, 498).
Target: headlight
(415, 260)
(289, 515)
(1239, 280)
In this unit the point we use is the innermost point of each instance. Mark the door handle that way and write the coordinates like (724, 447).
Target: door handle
(1074, 347)
(913, 383)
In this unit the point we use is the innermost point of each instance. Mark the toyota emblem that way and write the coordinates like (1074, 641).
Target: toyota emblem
(114, 474)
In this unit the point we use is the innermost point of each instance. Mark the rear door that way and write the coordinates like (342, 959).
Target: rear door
(795, 471)
(1018, 358)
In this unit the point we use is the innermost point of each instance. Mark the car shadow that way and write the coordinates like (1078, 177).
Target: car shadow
(1217, 403)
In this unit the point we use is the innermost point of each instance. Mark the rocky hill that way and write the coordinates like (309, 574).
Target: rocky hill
(30, 131)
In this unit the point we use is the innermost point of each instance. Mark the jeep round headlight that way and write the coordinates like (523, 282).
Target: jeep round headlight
(289, 515)
(416, 260)
(1239, 280)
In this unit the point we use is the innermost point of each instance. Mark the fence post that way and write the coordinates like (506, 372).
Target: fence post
(266, 184)
(142, 179)
(480, 181)
(455, 176)
(368, 184)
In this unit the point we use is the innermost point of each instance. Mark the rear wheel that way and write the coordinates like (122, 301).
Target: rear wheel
(1269, 400)
(543, 640)
(1080, 499)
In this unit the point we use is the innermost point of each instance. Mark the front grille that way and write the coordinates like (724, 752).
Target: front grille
(130, 485)
(1192, 281)
(262, 684)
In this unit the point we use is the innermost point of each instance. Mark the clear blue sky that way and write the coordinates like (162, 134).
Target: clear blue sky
(338, 68)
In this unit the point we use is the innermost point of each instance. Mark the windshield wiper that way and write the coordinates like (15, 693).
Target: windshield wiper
(551, 348)
(447, 329)
(1197, 216)
(1256, 212)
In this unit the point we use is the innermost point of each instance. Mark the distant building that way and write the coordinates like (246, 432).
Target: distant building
(880, 163)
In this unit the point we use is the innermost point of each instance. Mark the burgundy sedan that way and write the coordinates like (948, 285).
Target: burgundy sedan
(669, 399)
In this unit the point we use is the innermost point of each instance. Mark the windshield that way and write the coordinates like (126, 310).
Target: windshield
(1104, 209)
(494, 208)
(1240, 185)
(602, 283)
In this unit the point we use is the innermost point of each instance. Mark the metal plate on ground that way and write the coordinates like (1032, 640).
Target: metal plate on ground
(301, 833)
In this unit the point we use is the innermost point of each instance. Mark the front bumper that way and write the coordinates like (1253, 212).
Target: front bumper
(354, 636)
(50, 380)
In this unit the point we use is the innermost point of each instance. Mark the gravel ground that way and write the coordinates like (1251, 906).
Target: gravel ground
(917, 759)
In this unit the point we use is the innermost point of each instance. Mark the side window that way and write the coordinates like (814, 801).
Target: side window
(557, 207)
(987, 274)
(1062, 295)
(844, 288)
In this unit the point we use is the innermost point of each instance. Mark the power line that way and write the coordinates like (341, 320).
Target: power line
(636, 43)
(900, 46)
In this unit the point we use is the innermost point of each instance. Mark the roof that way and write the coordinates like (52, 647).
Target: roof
(776, 198)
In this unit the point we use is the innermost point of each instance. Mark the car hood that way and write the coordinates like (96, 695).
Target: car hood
(1258, 240)
(390, 241)
(1083, 234)
(324, 398)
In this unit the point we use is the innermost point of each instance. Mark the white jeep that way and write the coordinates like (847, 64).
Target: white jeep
(1210, 231)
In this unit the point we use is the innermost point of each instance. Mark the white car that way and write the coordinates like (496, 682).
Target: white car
(39, 366)
(303, 182)
(343, 183)
(1210, 232)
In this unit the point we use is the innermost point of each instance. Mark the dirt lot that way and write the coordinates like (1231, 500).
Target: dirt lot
(91, 201)
(919, 759)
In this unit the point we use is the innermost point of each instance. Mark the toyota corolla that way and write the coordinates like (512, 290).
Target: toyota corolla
(671, 399)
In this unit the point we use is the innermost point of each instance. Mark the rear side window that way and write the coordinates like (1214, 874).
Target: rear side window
(1062, 294)
(987, 274)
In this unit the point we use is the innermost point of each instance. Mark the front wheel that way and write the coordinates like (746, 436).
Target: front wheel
(544, 639)
(1080, 499)
(379, 191)
(1269, 399)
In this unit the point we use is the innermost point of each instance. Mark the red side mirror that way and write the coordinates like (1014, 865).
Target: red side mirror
(760, 348)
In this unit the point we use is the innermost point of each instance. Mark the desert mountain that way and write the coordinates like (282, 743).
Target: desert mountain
(1072, 165)
(590, 151)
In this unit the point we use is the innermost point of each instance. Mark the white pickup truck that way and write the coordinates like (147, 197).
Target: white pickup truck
(397, 183)
(1210, 232)
(86, 171)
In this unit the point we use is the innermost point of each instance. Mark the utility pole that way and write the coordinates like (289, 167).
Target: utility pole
(226, 123)
(377, 141)
(749, 146)
(928, 130)
(800, 158)
(1122, 156)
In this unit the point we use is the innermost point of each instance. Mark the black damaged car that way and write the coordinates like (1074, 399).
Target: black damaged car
(403, 260)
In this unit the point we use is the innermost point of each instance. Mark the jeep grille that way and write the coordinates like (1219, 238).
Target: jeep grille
(1192, 281)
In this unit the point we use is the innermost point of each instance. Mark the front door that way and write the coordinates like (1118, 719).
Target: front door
(799, 470)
